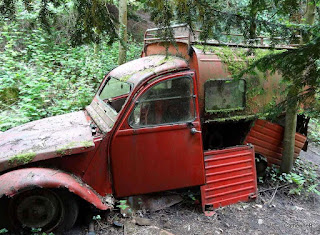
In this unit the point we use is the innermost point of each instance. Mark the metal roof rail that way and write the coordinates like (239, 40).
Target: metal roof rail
(183, 33)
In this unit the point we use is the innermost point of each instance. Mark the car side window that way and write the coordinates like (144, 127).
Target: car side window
(170, 101)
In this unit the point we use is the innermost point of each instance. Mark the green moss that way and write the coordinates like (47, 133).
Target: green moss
(237, 59)
(125, 77)
(232, 118)
(87, 144)
(165, 59)
(64, 149)
(61, 151)
(22, 158)
(215, 109)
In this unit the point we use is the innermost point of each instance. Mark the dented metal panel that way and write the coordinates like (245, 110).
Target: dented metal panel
(267, 138)
(28, 178)
(230, 177)
(46, 138)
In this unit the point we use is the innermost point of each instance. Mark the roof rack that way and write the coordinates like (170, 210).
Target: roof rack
(183, 33)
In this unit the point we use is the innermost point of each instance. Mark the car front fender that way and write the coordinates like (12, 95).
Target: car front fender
(13, 182)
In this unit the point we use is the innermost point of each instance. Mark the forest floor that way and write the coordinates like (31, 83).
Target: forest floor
(273, 212)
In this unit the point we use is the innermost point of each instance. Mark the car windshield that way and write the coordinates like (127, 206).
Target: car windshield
(115, 93)
(114, 88)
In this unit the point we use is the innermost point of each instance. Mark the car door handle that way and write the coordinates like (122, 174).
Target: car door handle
(194, 131)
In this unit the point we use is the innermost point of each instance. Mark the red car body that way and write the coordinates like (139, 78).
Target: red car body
(119, 146)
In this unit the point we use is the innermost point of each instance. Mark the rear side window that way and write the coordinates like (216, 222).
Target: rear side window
(222, 95)
(170, 101)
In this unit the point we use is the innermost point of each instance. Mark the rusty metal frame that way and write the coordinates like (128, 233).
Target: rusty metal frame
(193, 38)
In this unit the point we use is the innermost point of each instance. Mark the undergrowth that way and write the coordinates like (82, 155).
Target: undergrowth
(302, 180)
(41, 78)
(314, 131)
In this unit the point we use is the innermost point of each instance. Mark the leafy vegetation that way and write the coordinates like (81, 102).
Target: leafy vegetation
(283, 22)
(314, 131)
(43, 75)
(123, 204)
(96, 217)
(3, 230)
(302, 180)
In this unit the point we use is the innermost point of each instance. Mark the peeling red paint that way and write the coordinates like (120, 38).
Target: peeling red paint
(19, 180)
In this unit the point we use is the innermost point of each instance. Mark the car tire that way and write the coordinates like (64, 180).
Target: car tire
(44, 209)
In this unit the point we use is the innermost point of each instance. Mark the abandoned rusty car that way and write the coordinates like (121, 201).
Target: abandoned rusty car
(156, 123)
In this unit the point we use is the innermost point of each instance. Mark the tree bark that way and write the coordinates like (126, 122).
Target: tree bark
(289, 131)
(309, 17)
(123, 36)
(310, 12)
(292, 107)
(253, 24)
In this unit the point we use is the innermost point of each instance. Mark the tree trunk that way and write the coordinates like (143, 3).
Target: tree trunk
(253, 24)
(123, 37)
(291, 111)
(289, 131)
(311, 12)
(309, 17)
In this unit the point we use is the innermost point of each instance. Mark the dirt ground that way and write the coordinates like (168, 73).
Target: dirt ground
(273, 212)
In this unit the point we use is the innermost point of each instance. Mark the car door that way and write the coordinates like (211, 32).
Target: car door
(159, 145)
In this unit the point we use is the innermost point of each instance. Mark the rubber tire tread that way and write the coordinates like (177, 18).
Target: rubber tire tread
(71, 209)
(4, 223)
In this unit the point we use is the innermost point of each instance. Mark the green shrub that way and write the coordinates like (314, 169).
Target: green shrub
(40, 78)
(314, 131)
(303, 179)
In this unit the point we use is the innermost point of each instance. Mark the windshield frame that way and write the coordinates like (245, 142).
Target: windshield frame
(103, 114)
(108, 78)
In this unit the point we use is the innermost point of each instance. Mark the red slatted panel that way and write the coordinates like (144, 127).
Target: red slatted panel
(230, 176)
(267, 140)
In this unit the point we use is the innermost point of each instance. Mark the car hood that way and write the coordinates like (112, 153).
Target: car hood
(44, 139)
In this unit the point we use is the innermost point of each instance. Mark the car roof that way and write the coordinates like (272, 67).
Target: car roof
(140, 69)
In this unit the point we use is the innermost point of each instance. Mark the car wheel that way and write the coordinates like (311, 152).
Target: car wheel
(48, 210)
